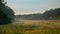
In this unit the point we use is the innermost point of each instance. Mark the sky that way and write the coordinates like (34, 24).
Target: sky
(32, 6)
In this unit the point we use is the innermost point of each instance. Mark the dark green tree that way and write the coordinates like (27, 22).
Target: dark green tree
(6, 13)
(52, 14)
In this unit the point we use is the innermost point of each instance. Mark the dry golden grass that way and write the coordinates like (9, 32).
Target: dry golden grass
(32, 27)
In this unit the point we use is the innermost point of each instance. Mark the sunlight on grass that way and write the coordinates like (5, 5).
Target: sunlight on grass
(43, 28)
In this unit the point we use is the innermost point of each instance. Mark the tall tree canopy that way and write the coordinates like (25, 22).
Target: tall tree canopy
(6, 13)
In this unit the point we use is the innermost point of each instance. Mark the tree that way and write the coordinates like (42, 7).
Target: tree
(6, 13)
(52, 14)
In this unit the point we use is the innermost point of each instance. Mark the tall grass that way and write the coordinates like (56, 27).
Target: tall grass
(28, 29)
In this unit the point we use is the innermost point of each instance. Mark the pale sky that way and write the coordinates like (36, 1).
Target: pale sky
(32, 6)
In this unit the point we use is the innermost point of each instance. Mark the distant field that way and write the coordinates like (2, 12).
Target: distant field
(32, 27)
(41, 23)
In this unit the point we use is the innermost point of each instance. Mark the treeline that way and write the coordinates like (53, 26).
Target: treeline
(52, 14)
(47, 15)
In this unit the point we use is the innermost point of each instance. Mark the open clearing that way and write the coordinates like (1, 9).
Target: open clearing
(32, 27)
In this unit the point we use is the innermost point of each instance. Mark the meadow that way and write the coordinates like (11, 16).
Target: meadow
(32, 27)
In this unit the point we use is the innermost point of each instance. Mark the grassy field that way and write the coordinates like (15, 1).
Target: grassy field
(32, 27)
